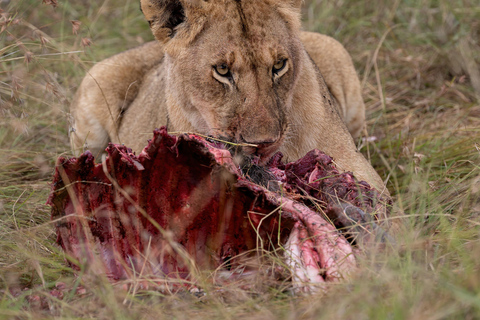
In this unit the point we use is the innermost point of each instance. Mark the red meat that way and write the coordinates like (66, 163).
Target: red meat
(183, 206)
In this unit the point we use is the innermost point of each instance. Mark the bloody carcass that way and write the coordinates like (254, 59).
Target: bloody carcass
(183, 206)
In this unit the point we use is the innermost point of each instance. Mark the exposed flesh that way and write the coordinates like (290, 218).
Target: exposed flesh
(183, 207)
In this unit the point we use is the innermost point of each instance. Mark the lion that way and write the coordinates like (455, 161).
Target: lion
(238, 70)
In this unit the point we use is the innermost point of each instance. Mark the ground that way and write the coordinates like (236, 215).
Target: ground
(419, 63)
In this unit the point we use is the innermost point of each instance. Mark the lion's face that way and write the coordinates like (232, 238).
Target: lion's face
(232, 68)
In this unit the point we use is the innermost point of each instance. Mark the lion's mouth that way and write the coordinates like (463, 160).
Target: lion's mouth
(258, 153)
(262, 153)
(251, 145)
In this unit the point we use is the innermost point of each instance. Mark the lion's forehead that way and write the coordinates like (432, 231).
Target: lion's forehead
(251, 19)
(249, 32)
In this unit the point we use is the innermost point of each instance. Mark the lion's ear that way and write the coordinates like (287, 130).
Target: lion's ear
(165, 15)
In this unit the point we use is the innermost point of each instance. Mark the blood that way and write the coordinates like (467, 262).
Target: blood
(183, 205)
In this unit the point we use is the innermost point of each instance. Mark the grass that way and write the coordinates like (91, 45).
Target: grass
(419, 62)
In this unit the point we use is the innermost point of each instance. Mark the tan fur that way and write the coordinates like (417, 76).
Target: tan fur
(337, 69)
(173, 82)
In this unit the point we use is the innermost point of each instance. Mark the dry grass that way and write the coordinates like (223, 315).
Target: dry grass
(420, 66)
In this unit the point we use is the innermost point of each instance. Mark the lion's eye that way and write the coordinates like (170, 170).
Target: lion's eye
(222, 70)
(279, 65)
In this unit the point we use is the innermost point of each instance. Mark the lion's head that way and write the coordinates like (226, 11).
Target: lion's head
(232, 66)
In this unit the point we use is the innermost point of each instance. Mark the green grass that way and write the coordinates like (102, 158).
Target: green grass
(419, 62)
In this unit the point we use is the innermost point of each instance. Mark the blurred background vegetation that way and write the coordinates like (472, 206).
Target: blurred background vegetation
(419, 63)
